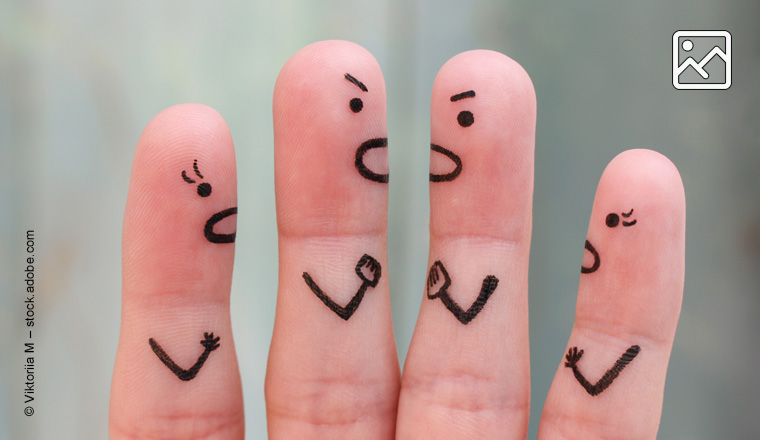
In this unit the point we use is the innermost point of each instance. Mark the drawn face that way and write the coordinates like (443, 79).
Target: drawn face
(612, 220)
(465, 119)
(356, 105)
(329, 115)
(204, 189)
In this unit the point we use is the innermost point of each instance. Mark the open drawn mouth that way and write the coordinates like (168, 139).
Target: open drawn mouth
(208, 230)
(361, 151)
(454, 158)
(597, 261)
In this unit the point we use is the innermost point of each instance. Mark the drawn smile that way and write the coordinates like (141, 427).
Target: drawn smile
(208, 230)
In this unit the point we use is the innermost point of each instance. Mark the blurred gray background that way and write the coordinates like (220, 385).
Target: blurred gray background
(79, 79)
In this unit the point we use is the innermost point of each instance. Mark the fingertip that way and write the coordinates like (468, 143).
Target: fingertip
(483, 112)
(503, 81)
(307, 92)
(648, 183)
(637, 229)
(331, 159)
(647, 172)
(188, 137)
(184, 127)
(183, 172)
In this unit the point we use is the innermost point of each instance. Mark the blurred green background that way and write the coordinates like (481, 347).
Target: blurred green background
(79, 79)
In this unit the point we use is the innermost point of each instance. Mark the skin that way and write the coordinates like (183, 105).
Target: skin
(329, 377)
(176, 284)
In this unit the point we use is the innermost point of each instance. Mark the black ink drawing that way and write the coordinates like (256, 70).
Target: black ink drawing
(454, 158)
(208, 229)
(463, 95)
(363, 170)
(356, 105)
(369, 279)
(204, 189)
(465, 119)
(597, 260)
(613, 219)
(438, 272)
(573, 356)
(209, 342)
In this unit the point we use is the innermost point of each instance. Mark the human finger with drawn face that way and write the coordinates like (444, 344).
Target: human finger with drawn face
(176, 373)
(469, 353)
(333, 370)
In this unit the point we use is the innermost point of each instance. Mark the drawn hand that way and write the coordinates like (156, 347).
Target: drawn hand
(438, 280)
(573, 356)
(368, 269)
(210, 342)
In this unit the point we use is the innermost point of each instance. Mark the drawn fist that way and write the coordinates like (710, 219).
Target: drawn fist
(210, 342)
(438, 280)
(368, 269)
(573, 356)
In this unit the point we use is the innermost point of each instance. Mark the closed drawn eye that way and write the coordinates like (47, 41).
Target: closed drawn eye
(195, 167)
(185, 178)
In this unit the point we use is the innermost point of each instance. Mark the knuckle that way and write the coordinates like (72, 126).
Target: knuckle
(464, 392)
(332, 402)
(203, 425)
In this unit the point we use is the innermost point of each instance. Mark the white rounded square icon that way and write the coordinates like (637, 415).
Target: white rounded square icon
(701, 60)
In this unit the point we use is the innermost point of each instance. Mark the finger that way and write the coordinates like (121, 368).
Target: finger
(629, 300)
(333, 368)
(467, 372)
(176, 373)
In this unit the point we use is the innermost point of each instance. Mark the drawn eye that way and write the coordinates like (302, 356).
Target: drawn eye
(204, 189)
(465, 118)
(612, 220)
(356, 105)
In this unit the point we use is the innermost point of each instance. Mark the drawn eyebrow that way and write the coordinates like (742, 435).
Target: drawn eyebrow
(356, 81)
(463, 95)
(626, 215)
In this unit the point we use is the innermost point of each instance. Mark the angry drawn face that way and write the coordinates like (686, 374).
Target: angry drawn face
(204, 190)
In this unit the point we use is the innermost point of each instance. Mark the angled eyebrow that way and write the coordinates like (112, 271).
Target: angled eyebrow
(356, 82)
(463, 95)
